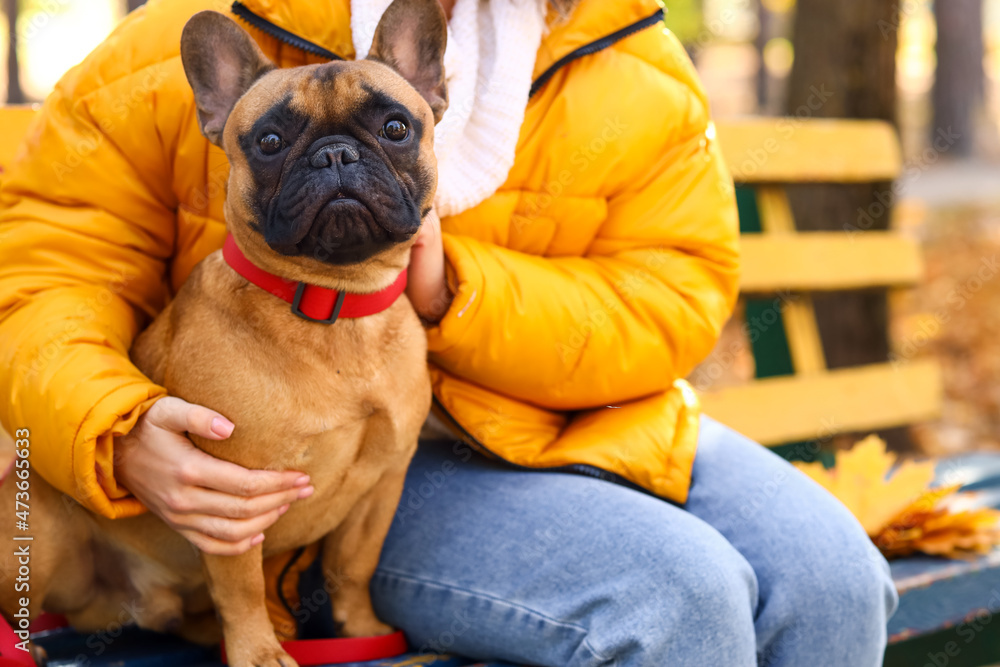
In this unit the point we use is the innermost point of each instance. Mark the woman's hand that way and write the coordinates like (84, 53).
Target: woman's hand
(427, 287)
(220, 507)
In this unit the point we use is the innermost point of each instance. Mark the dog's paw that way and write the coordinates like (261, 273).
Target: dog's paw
(368, 627)
(265, 657)
(38, 654)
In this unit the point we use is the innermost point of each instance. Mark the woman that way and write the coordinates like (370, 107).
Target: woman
(587, 262)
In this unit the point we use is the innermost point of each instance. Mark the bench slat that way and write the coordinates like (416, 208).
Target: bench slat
(806, 407)
(791, 150)
(827, 261)
(799, 316)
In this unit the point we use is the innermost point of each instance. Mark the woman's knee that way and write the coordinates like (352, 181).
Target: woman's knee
(849, 567)
(824, 588)
(687, 597)
(833, 594)
(855, 582)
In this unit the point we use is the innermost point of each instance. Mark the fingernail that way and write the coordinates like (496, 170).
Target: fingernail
(306, 492)
(222, 427)
(257, 540)
(302, 481)
(283, 509)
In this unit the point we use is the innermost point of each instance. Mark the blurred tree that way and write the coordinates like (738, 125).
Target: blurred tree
(14, 93)
(764, 33)
(845, 67)
(959, 83)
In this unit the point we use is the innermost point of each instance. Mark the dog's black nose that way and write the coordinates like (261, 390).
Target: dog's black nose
(331, 153)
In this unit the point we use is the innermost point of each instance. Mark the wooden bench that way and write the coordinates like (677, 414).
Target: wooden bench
(783, 268)
(796, 398)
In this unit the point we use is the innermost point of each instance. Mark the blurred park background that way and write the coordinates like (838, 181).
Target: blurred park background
(931, 68)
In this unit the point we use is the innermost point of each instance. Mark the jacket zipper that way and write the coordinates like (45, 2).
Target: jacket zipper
(280, 33)
(292, 39)
(594, 47)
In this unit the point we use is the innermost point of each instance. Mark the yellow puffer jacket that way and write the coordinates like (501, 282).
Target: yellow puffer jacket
(598, 275)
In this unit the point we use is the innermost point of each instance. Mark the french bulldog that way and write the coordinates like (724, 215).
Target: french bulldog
(332, 170)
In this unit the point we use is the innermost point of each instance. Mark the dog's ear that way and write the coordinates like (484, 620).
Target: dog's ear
(411, 37)
(221, 62)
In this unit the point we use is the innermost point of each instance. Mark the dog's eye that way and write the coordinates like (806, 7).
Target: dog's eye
(271, 144)
(394, 130)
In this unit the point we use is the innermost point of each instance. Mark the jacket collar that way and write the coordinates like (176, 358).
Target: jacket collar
(323, 22)
(590, 21)
(328, 24)
(312, 302)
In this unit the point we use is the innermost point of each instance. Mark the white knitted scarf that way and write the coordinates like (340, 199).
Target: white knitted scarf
(488, 64)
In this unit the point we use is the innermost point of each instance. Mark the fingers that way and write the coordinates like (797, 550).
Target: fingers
(216, 547)
(215, 503)
(426, 234)
(220, 507)
(174, 414)
(206, 471)
(230, 531)
(421, 236)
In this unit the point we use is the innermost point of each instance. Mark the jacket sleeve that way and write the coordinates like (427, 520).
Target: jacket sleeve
(86, 228)
(640, 309)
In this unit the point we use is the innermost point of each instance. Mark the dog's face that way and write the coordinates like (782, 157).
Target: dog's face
(331, 166)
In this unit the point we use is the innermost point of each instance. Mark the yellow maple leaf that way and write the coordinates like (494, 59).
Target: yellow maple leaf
(861, 481)
(899, 510)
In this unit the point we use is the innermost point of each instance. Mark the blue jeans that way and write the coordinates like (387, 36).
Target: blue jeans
(761, 566)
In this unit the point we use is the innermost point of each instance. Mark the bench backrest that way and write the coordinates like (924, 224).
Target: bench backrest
(795, 397)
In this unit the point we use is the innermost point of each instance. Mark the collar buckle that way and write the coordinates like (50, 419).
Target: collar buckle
(297, 310)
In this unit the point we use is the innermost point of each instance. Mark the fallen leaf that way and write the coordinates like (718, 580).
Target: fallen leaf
(898, 508)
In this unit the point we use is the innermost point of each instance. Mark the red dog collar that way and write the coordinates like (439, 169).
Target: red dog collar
(312, 302)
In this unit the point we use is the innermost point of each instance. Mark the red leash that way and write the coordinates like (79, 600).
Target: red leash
(313, 652)
(10, 655)
(306, 652)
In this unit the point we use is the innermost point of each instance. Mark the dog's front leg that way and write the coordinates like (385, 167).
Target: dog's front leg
(351, 553)
(237, 587)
